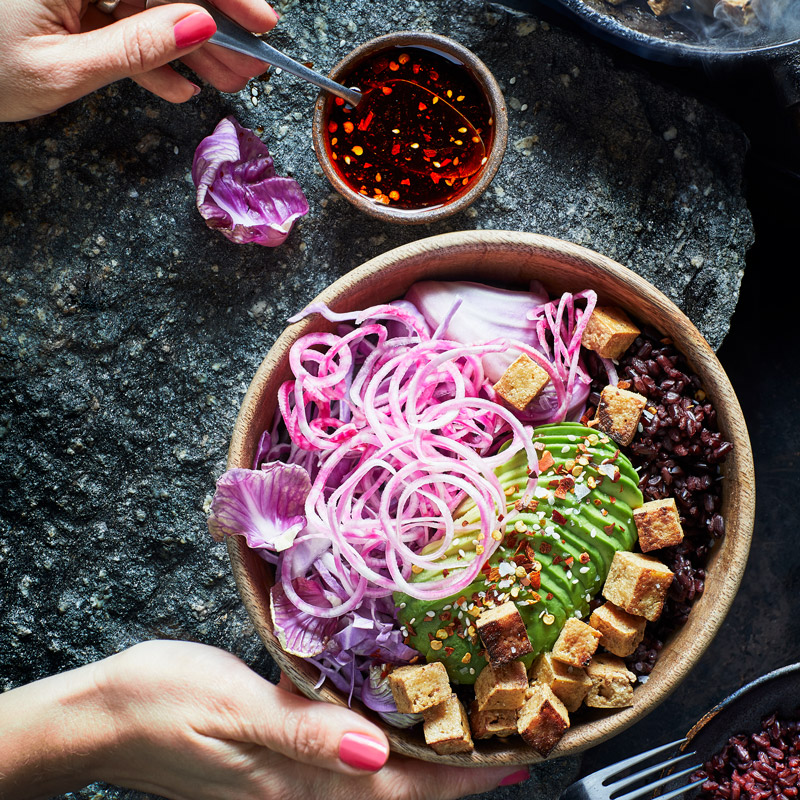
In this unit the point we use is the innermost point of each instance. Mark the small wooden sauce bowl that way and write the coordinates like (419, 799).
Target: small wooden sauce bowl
(480, 75)
(513, 259)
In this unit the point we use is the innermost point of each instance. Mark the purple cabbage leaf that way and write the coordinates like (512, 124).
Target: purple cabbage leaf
(266, 506)
(299, 633)
(484, 313)
(238, 192)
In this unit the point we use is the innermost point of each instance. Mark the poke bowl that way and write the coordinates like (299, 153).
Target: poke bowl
(518, 262)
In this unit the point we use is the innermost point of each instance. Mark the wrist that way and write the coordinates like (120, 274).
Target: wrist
(55, 735)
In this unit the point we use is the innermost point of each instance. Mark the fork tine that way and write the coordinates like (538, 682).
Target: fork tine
(615, 769)
(650, 787)
(646, 772)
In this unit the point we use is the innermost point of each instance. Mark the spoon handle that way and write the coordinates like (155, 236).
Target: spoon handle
(233, 36)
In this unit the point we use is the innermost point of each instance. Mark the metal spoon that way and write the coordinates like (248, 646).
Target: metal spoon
(234, 37)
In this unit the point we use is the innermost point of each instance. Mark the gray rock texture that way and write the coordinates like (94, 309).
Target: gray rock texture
(129, 331)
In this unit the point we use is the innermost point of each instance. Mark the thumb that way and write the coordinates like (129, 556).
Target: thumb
(130, 46)
(321, 734)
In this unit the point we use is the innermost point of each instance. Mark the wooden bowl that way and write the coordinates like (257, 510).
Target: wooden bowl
(482, 76)
(516, 258)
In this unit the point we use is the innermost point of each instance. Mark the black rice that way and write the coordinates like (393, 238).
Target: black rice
(677, 453)
(759, 766)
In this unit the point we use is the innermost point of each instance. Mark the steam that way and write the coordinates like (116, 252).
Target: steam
(753, 23)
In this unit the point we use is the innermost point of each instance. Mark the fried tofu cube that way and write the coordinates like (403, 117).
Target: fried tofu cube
(662, 7)
(609, 332)
(501, 687)
(446, 727)
(638, 584)
(576, 643)
(543, 719)
(618, 414)
(503, 634)
(521, 382)
(658, 524)
(420, 686)
(620, 632)
(492, 721)
(569, 684)
(611, 683)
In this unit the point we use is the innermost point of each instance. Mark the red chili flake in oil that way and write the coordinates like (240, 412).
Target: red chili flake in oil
(420, 136)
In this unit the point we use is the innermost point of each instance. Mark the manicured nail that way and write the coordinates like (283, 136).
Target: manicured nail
(360, 751)
(196, 90)
(192, 30)
(519, 776)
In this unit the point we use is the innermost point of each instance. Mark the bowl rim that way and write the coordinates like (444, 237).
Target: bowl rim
(483, 77)
(249, 570)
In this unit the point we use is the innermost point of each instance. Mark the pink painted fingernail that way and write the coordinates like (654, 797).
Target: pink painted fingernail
(192, 30)
(360, 751)
(519, 776)
(196, 90)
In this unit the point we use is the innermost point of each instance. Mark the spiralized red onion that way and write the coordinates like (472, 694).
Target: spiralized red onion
(398, 428)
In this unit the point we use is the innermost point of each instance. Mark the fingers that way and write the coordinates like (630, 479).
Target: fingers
(323, 735)
(168, 85)
(129, 47)
(255, 15)
(407, 779)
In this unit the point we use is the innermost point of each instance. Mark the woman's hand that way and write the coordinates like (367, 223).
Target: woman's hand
(188, 721)
(55, 51)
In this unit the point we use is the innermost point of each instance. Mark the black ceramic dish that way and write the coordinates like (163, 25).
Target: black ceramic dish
(742, 712)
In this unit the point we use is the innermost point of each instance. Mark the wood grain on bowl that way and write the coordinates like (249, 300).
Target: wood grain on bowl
(516, 258)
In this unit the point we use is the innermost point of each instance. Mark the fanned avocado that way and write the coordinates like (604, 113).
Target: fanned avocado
(554, 556)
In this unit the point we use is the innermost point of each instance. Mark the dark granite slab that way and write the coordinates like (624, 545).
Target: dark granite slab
(129, 332)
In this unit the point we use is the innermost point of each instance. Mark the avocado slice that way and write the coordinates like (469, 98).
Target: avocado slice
(554, 556)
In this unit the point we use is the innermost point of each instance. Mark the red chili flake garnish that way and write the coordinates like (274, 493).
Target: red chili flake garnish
(535, 596)
(435, 177)
(428, 152)
(445, 616)
(410, 629)
(448, 651)
(546, 461)
(422, 106)
(333, 126)
(553, 484)
(624, 385)
(415, 68)
(549, 596)
(366, 122)
(414, 659)
(405, 181)
(584, 557)
(565, 485)
(545, 548)
(386, 89)
(339, 101)
(395, 149)
(558, 517)
(609, 529)
(569, 561)
(556, 559)
(597, 501)
(535, 579)
(445, 572)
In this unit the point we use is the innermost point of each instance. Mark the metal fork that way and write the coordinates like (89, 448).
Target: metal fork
(601, 785)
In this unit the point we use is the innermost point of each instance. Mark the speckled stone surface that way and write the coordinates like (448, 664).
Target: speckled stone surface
(129, 332)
